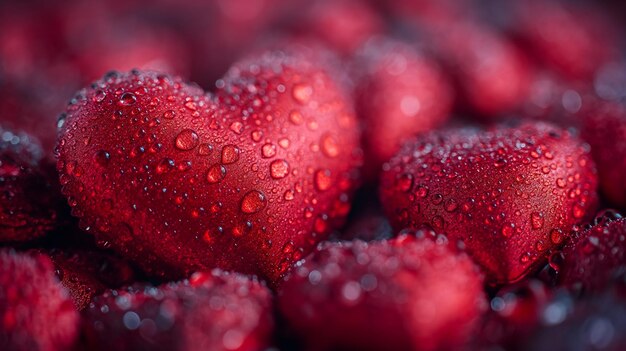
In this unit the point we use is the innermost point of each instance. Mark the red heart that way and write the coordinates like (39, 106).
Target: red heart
(249, 179)
(507, 195)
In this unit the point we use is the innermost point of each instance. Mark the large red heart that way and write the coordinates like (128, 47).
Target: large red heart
(248, 179)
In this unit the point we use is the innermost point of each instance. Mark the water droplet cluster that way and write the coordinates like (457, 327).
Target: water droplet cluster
(29, 200)
(87, 273)
(264, 169)
(591, 257)
(509, 194)
(340, 284)
(217, 310)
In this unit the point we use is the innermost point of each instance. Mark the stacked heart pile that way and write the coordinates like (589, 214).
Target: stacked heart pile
(365, 175)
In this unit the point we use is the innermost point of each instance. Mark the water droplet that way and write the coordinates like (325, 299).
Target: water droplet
(450, 205)
(230, 154)
(253, 202)
(540, 245)
(468, 205)
(421, 191)
(404, 182)
(70, 167)
(578, 211)
(437, 199)
(205, 149)
(525, 258)
(216, 173)
(102, 158)
(165, 165)
(236, 127)
(279, 169)
(207, 236)
(308, 212)
(437, 222)
(536, 220)
(507, 230)
(560, 182)
(312, 124)
(242, 229)
(61, 120)
(99, 96)
(191, 105)
(556, 261)
(187, 139)
(283, 142)
(127, 99)
(268, 150)
(499, 163)
(321, 224)
(257, 135)
(329, 146)
(266, 245)
(288, 195)
(289, 247)
(296, 117)
(302, 93)
(169, 114)
(556, 236)
(323, 179)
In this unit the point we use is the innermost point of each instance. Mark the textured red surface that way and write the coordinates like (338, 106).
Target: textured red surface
(86, 273)
(515, 313)
(573, 39)
(508, 195)
(604, 128)
(29, 196)
(400, 92)
(593, 255)
(402, 294)
(344, 25)
(212, 311)
(35, 311)
(249, 179)
(492, 74)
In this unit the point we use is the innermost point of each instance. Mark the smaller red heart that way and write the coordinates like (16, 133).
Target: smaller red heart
(507, 195)
(400, 294)
(594, 256)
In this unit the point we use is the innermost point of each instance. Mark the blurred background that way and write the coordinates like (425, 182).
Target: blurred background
(415, 65)
(502, 57)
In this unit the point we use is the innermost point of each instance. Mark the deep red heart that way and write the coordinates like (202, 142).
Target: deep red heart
(604, 128)
(507, 195)
(37, 313)
(30, 202)
(400, 294)
(592, 259)
(399, 92)
(215, 311)
(248, 179)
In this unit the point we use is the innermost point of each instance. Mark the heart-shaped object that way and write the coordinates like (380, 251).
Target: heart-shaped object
(507, 195)
(29, 198)
(400, 294)
(248, 179)
(399, 92)
(604, 128)
(595, 255)
(215, 311)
